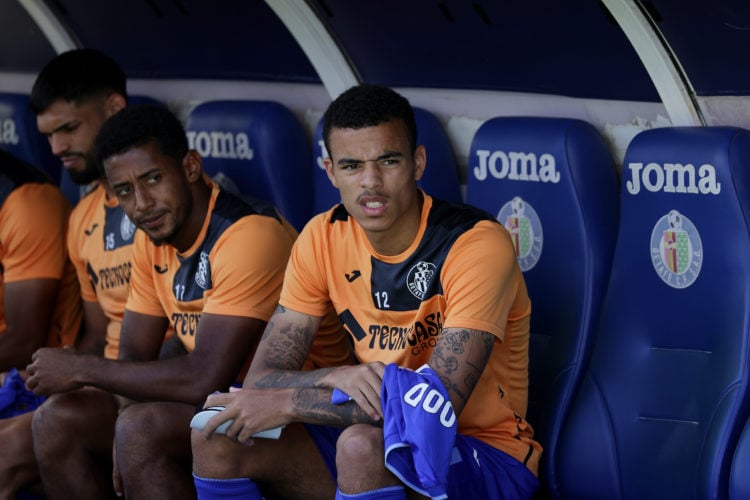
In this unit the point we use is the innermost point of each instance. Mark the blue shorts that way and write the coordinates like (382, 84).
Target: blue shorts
(477, 469)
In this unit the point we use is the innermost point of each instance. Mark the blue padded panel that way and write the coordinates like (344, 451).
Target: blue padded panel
(564, 229)
(261, 147)
(440, 179)
(666, 393)
(739, 479)
(324, 195)
(20, 137)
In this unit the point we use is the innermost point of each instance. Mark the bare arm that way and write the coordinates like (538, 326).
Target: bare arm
(223, 343)
(276, 392)
(28, 306)
(92, 339)
(459, 359)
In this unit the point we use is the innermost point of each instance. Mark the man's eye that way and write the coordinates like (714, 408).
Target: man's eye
(122, 192)
(153, 179)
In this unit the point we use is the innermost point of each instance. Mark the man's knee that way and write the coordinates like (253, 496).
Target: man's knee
(55, 417)
(139, 423)
(216, 456)
(164, 427)
(360, 445)
(74, 419)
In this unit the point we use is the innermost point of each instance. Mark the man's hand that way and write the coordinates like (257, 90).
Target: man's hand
(252, 410)
(362, 383)
(53, 370)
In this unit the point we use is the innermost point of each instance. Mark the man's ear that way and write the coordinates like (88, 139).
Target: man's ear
(420, 162)
(114, 103)
(193, 165)
(329, 171)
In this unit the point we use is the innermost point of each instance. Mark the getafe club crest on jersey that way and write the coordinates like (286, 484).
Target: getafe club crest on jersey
(419, 278)
(201, 275)
(127, 228)
(522, 222)
(676, 250)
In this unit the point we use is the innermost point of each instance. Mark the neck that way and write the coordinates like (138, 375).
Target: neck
(201, 192)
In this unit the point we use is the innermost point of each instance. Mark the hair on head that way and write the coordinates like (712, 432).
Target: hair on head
(76, 76)
(369, 105)
(138, 125)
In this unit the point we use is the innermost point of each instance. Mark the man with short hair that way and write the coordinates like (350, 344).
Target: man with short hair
(437, 309)
(206, 262)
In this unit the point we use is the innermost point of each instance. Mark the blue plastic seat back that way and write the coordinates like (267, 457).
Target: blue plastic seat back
(739, 479)
(553, 184)
(441, 178)
(261, 147)
(666, 392)
(20, 137)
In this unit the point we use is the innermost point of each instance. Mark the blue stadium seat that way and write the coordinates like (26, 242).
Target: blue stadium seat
(665, 396)
(440, 179)
(20, 137)
(553, 183)
(261, 147)
(739, 479)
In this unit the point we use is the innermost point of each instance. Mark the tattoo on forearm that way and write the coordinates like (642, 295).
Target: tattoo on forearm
(289, 347)
(467, 350)
(314, 406)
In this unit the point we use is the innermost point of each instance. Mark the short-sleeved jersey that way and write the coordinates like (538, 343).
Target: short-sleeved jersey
(460, 272)
(100, 242)
(33, 221)
(234, 268)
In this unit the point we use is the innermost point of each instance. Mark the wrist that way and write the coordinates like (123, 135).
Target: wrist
(84, 367)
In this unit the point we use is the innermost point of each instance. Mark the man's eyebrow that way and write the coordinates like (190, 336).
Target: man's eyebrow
(139, 177)
(63, 126)
(385, 156)
(147, 173)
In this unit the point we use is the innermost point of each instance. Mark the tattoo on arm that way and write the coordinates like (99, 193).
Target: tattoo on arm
(314, 406)
(460, 357)
(285, 347)
(290, 344)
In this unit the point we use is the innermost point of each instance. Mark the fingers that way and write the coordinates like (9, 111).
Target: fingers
(216, 421)
(219, 399)
(363, 384)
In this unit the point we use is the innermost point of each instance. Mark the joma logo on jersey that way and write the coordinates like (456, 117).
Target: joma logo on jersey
(221, 145)
(8, 132)
(673, 178)
(185, 323)
(516, 166)
(423, 335)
